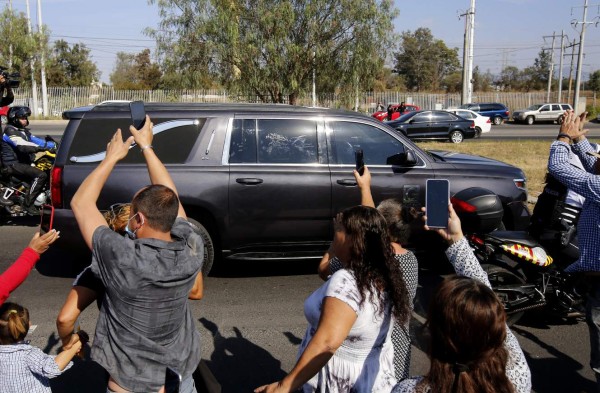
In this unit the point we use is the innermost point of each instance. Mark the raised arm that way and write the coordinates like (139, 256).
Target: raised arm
(364, 183)
(156, 169)
(84, 201)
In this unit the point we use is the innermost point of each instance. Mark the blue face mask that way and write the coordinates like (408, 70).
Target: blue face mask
(132, 234)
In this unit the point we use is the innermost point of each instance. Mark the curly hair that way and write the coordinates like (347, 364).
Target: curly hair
(467, 325)
(371, 261)
(117, 216)
(14, 323)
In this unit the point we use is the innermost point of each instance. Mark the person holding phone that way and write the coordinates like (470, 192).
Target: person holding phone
(19, 270)
(145, 322)
(471, 349)
(586, 182)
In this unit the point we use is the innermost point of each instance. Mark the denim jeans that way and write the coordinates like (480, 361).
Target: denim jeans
(592, 317)
(187, 386)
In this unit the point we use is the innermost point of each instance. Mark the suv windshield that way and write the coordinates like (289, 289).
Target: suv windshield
(534, 107)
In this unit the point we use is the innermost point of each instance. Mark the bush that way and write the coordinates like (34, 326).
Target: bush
(593, 112)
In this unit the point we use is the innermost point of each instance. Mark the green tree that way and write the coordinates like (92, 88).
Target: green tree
(266, 47)
(482, 82)
(536, 77)
(135, 72)
(425, 61)
(71, 65)
(510, 78)
(594, 81)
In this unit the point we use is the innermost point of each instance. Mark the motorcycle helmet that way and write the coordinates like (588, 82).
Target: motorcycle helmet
(18, 112)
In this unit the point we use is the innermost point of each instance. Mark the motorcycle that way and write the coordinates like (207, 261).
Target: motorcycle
(522, 273)
(13, 189)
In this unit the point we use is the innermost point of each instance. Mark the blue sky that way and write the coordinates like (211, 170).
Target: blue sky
(507, 31)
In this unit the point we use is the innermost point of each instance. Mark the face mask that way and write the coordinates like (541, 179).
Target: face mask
(131, 234)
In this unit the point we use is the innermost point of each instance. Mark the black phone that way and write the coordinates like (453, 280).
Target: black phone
(138, 114)
(360, 162)
(436, 203)
(47, 219)
(172, 381)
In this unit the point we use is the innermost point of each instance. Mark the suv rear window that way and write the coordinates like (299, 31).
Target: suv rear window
(565, 107)
(173, 145)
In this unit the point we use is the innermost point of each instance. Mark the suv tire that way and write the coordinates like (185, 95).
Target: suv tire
(497, 120)
(530, 120)
(456, 136)
(560, 119)
(209, 247)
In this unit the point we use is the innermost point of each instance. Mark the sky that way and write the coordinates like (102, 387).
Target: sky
(507, 32)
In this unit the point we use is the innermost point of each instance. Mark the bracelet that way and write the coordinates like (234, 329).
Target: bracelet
(145, 147)
(561, 135)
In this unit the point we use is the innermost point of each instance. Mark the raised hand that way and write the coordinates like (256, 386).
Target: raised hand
(40, 244)
(453, 233)
(143, 137)
(116, 148)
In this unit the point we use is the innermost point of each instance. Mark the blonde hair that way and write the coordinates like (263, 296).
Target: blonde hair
(14, 323)
(117, 216)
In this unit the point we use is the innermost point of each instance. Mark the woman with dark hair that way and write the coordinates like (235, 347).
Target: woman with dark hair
(347, 343)
(398, 219)
(471, 348)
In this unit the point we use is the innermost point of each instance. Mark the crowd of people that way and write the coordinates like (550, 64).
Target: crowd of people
(145, 269)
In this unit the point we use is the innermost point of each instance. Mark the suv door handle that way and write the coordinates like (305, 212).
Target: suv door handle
(251, 181)
(346, 182)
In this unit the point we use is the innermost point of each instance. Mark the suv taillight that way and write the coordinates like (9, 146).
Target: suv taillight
(56, 186)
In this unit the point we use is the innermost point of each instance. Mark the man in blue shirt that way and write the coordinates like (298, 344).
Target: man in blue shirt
(571, 138)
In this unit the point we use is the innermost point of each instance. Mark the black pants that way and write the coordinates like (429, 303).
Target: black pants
(36, 177)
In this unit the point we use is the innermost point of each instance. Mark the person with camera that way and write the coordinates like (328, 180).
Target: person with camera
(6, 94)
(18, 153)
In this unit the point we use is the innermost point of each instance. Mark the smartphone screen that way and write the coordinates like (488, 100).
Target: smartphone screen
(360, 162)
(138, 113)
(436, 204)
(172, 381)
(47, 219)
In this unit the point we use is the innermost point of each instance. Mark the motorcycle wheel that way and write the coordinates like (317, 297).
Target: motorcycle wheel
(501, 277)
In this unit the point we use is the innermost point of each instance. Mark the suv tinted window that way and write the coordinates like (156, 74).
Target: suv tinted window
(565, 107)
(555, 107)
(277, 141)
(173, 145)
(377, 145)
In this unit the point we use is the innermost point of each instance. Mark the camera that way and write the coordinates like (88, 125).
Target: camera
(12, 78)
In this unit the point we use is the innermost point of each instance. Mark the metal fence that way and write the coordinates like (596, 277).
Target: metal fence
(63, 98)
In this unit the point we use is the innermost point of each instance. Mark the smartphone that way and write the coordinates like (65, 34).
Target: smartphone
(436, 203)
(47, 219)
(172, 381)
(360, 162)
(593, 154)
(138, 114)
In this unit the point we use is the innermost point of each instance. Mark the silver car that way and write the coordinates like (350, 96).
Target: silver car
(542, 112)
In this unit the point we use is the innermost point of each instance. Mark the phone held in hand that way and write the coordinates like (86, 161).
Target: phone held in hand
(138, 114)
(436, 202)
(172, 381)
(47, 219)
(360, 162)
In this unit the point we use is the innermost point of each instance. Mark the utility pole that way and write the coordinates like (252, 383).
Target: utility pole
(560, 67)
(467, 80)
(314, 84)
(572, 46)
(10, 47)
(583, 23)
(43, 61)
(551, 71)
(32, 66)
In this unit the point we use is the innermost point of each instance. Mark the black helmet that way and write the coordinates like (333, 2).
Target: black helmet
(18, 112)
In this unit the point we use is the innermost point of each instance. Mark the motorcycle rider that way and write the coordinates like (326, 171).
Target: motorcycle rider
(18, 153)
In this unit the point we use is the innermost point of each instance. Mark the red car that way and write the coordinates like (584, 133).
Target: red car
(4, 114)
(382, 115)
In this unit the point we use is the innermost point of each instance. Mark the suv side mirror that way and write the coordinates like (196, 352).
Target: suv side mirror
(405, 158)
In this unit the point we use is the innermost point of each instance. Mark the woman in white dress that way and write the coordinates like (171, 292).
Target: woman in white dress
(347, 346)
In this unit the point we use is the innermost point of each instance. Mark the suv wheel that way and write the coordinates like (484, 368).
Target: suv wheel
(497, 120)
(530, 120)
(560, 119)
(456, 136)
(209, 247)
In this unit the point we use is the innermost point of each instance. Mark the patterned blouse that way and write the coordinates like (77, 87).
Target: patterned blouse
(465, 264)
(400, 333)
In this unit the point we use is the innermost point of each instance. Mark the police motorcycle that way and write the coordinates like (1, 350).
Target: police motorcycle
(521, 271)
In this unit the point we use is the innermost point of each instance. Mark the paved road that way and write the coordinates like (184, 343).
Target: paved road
(251, 321)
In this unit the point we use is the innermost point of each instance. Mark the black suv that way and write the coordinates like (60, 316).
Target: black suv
(497, 112)
(264, 181)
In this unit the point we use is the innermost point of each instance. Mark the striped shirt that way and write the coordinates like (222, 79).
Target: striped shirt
(24, 368)
(585, 183)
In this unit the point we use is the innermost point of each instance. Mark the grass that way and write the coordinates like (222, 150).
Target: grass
(529, 155)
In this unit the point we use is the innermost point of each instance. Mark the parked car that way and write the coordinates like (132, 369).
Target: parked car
(542, 112)
(4, 114)
(434, 125)
(497, 112)
(382, 115)
(483, 124)
(264, 181)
